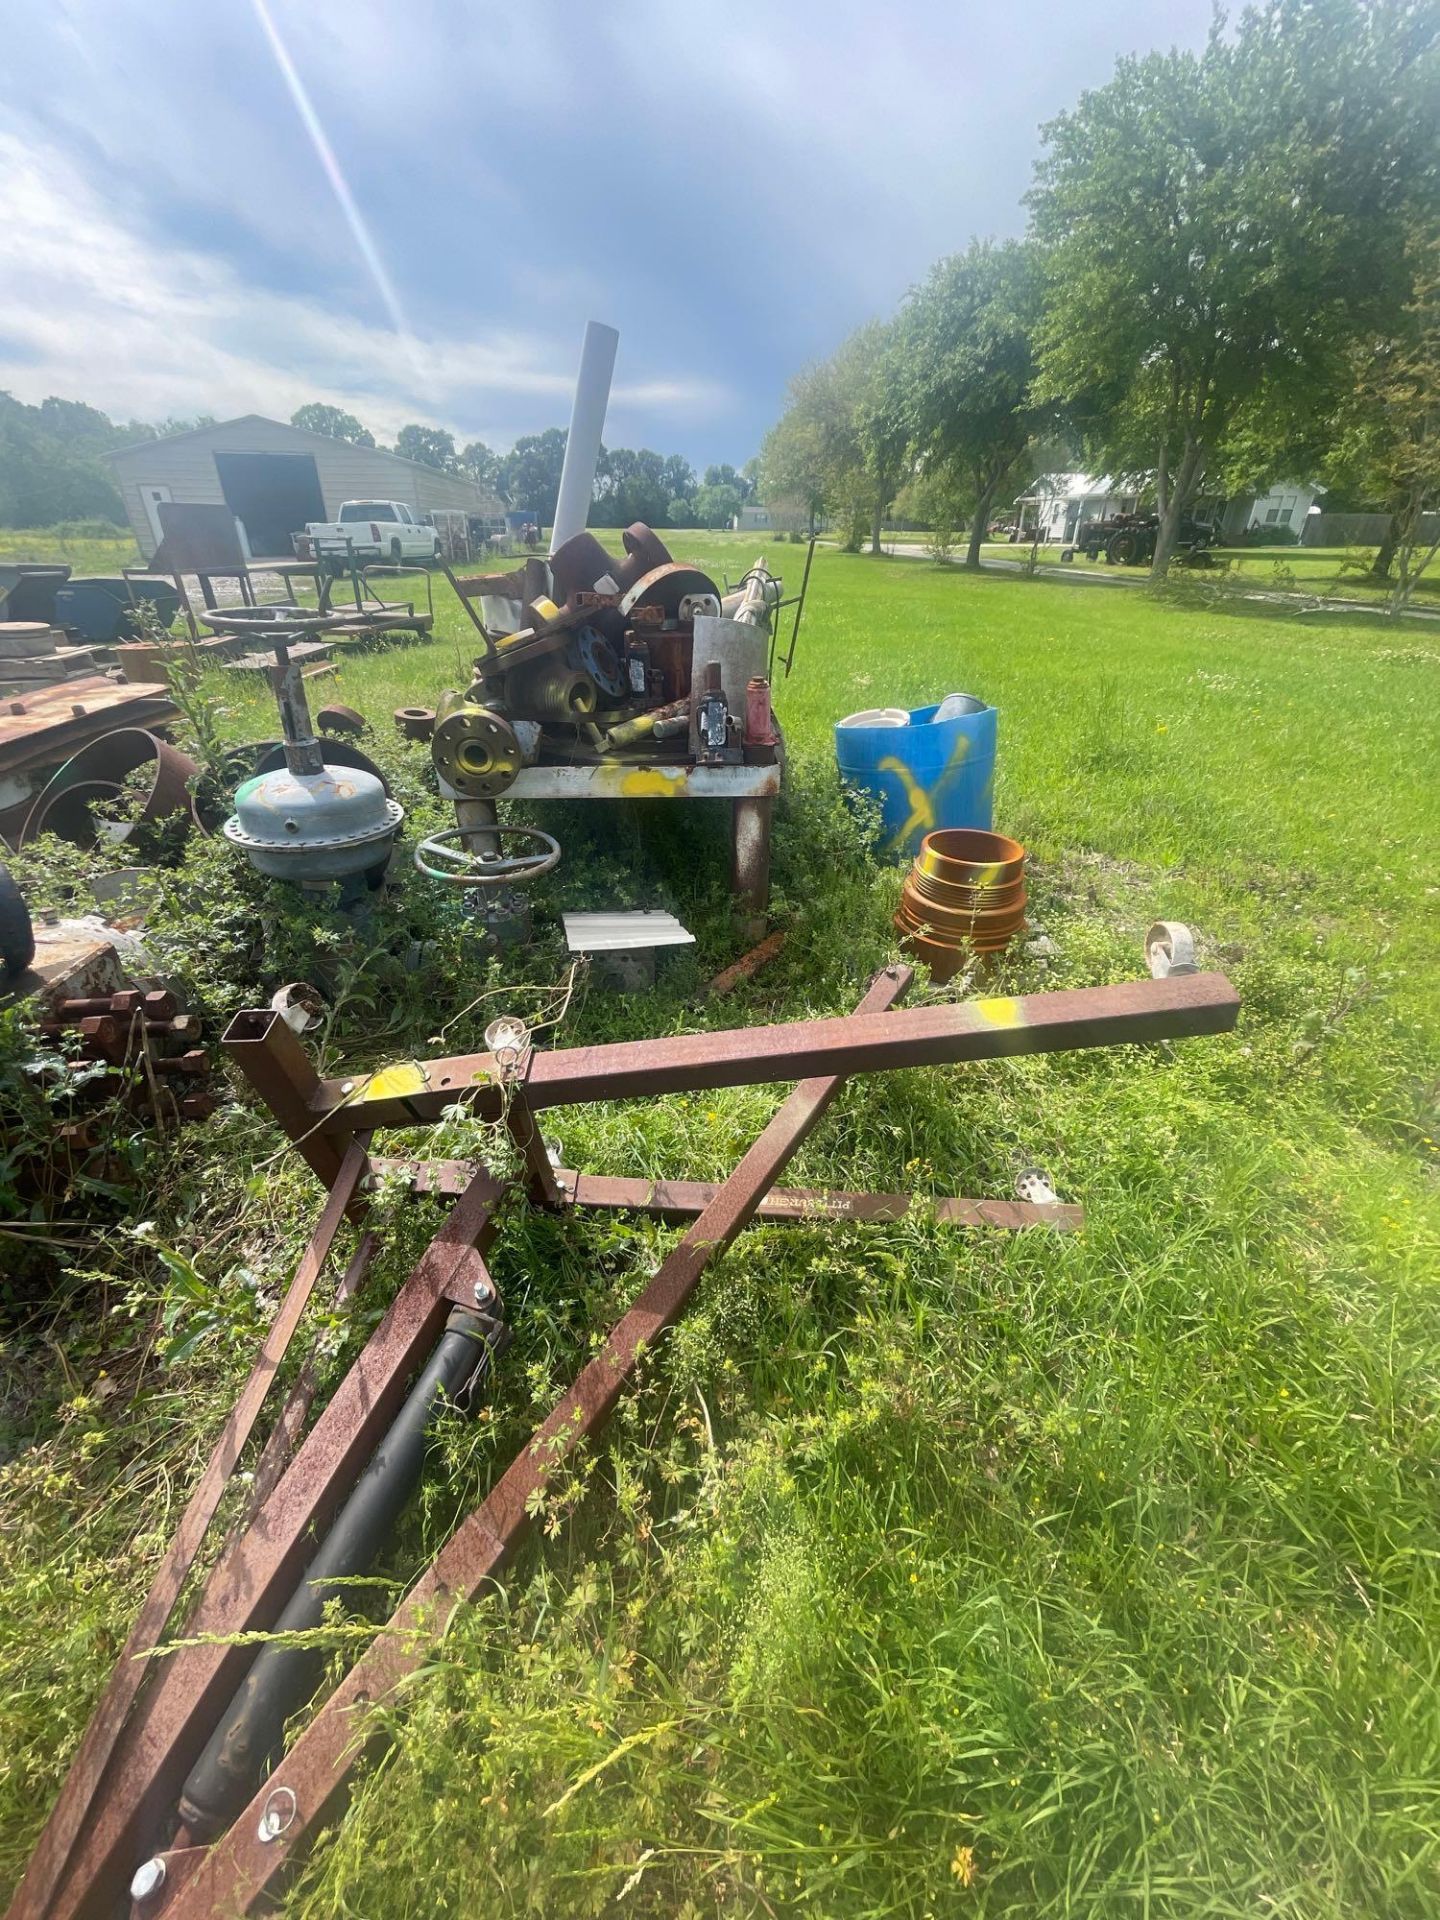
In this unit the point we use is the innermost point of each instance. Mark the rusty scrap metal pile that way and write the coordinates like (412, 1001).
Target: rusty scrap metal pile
(589, 659)
(182, 1797)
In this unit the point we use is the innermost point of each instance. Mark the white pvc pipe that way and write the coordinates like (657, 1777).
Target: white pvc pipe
(587, 423)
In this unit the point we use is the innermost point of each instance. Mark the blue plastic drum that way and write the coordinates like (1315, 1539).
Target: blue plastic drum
(926, 774)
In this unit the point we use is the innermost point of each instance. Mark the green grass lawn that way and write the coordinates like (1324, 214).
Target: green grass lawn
(929, 1573)
(1327, 572)
(85, 553)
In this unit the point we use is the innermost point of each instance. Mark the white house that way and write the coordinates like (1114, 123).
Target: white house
(1058, 502)
(1287, 505)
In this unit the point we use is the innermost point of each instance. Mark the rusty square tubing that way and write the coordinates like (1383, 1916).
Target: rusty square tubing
(524, 1129)
(677, 1200)
(284, 1437)
(283, 1074)
(57, 1841)
(252, 1581)
(1135, 1012)
(240, 1872)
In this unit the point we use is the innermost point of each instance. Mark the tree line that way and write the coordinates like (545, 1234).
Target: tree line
(52, 460)
(53, 467)
(1231, 276)
(630, 484)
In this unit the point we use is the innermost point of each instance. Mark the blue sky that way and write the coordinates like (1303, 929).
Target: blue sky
(734, 186)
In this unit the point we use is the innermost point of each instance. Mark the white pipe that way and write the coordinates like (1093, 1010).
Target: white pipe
(587, 423)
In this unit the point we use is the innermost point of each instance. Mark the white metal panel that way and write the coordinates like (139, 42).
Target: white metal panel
(644, 783)
(623, 932)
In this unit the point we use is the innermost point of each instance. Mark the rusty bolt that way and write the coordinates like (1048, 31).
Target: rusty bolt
(101, 1029)
(196, 1061)
(155, 1006)
(185, 1026)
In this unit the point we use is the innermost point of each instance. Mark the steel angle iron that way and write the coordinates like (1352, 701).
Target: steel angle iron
(306, 822)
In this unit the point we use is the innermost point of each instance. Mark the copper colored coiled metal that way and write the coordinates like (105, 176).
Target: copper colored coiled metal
(964, 894)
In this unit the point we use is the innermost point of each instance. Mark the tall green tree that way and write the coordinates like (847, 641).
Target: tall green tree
(796, 458)
(632, 484)
(53, 465)
(1219, 227)
(334, 422)
(1389, 431)
(484, 466)
(842, 444)
(530, 473)
(724, 475)
(968, 351)
(872, 373)
(717, 503)
(430, 446)
(678, 477)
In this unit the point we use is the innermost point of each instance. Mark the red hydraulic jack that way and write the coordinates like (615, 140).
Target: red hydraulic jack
(180, 1799)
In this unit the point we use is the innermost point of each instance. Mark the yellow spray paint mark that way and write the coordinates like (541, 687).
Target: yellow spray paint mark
(921, 800)
(921, 817)
(650, 783)
(395, 1083)
(1000, 1013)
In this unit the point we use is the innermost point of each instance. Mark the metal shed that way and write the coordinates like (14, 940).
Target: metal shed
(274, 478)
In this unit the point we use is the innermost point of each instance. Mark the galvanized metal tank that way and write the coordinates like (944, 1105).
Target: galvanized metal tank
(305, 822)
(309, 827)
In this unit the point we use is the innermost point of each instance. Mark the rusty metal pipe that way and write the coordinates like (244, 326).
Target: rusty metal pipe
(165, 1732)
(283, 1677)
(160, 1005)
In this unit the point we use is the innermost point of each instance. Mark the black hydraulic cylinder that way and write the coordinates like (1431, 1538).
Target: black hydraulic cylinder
(283, 1677)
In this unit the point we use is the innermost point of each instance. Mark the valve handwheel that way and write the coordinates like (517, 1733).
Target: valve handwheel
(272, 624)
(461, 866)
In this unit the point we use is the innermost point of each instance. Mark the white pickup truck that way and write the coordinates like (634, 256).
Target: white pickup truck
(376, 530)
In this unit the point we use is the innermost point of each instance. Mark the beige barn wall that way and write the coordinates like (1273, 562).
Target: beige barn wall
(186, 464)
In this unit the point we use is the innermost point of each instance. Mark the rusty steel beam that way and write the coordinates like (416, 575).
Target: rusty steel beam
(282, 1073)
(92, 1758)
(280, 1447)
(677, 1200)
(241, 1871)
(1139, 1011)
(255, 1577)
(524, 1130)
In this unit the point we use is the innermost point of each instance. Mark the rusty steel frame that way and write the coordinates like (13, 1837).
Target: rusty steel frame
(56, 1845)
(238, 1872)
(1142, 1010)
(128, 1802)
(254, 1577)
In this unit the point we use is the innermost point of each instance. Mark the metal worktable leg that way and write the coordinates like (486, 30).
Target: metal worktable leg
(750, 854)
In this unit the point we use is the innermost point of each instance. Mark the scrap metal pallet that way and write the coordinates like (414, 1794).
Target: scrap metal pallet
(165, 1802)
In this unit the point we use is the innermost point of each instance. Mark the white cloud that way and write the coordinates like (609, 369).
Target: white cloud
(97, 310)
